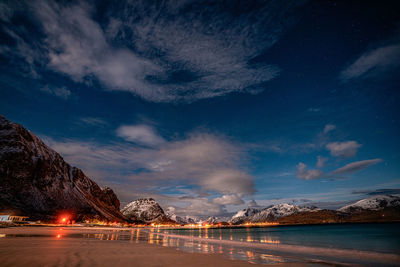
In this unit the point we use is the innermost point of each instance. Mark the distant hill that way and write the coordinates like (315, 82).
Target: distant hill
(270, 214)
(383, 208)
(372, 204)
(35, 181)
(145, 210)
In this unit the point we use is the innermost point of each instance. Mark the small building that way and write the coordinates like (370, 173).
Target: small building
(5, 218)
(12, 218)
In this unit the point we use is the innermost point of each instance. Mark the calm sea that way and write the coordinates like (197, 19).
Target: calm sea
(369, 237)
(365, 244)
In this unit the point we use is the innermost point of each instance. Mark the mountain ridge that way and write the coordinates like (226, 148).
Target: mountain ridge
(145, 210)
(373, 209)
(37, 182)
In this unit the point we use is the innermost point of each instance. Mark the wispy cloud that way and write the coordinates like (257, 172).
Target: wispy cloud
(328, 128)
(303, 173)
(253, 204)
(140, 134)
(355, 166)
(392, 191)
(92, 121)
(61, 92)
(167, 52)
(373, 62)
(348, 169)
(345, 149)
(321, 161)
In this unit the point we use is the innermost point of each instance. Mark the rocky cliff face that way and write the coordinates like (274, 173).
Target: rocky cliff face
(35, 181)
(145, 210)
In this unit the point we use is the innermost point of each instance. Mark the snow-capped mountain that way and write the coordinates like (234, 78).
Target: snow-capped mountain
(373, 203)
(278, 211)
(215, 220)
(146, 210)
(37, 182)
(269, 214)
(243, 215)
(184, 219)
(178, 219)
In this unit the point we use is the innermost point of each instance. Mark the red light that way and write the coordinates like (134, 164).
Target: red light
(64, 219)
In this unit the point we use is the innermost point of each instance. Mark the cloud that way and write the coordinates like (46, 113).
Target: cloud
(355, 166)
(328, 128)
(321, 161)
(253, 204)
(201, 207)
(167, 52)
(392, 191)
(350, 168)
(92, 121)
(202, 162)
(77, 47)
(61, 92)
(140, 134)
(343, 149)
(228, 200)
(303, 173)
(373, 62)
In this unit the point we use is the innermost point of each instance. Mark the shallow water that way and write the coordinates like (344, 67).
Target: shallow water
(370, 237)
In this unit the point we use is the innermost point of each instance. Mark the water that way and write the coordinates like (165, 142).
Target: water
(317, 245)
(369, 237)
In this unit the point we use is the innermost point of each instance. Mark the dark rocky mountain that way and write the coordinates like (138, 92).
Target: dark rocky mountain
(145, 210)
(35, 181)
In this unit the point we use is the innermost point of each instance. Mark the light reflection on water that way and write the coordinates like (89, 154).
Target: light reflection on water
(155, 236)
(158, 237)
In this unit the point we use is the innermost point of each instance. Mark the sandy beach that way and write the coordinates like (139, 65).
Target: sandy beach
(33, 246)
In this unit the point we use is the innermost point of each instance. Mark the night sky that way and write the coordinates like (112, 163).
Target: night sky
(211, 106)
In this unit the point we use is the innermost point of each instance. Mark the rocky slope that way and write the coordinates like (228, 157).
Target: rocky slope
(37, 182)
(145, 210)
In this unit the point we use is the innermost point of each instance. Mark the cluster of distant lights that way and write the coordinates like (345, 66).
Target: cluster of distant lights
(66, 220)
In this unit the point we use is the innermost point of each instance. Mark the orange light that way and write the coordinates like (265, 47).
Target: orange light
(64, 219)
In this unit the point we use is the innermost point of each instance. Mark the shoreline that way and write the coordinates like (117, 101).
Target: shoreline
(53, 247)
(12, 225)
(13, 239)
(378, 257)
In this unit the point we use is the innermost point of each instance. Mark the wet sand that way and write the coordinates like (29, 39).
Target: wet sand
(39, 246)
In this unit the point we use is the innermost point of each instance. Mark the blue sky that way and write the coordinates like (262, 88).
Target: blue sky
(209, 106)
